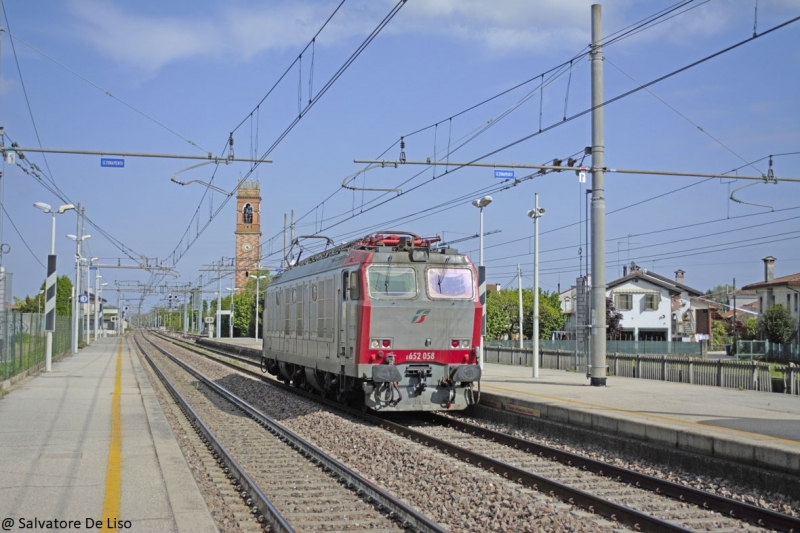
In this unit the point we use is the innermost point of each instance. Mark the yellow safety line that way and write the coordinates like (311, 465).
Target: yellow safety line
(640, 413)
(114, 468)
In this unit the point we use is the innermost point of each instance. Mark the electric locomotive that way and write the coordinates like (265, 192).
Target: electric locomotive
(387, 322)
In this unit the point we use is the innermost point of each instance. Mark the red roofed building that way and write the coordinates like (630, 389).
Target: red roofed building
(783, 291)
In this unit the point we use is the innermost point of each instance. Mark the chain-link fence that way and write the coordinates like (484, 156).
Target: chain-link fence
(22, 341)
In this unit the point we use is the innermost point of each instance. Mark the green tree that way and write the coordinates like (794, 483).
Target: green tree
(750, 329)
(719, 333)
(613, 321)
(35, 304)
(719, 293)
(778, 324)
(551, 318)
(502, 314)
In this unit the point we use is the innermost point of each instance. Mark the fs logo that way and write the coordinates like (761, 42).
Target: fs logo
(419, 316)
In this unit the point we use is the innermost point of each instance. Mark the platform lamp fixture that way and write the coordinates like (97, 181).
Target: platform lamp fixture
(100, 294)
(535, 214)
(258, 288)
(75, 307)
(50, 284)
(96, 303)
(480, 203)
(87, 322)
(230, 317)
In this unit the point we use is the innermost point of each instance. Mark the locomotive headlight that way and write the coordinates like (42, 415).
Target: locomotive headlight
(419, 255)
(465, 343)
(374, 344)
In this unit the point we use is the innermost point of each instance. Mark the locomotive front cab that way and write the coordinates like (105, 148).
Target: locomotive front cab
(421, 318)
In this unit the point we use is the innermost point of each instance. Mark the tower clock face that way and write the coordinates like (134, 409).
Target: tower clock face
(246, 247)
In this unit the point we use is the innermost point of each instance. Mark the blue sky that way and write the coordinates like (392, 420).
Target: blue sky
(195, 70)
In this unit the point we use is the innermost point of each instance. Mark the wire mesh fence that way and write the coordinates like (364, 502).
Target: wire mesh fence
(23, 341)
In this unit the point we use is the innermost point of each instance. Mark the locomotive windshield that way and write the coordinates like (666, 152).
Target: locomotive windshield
(391, 282)
(450, 283)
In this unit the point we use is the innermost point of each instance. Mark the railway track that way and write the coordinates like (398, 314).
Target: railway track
(637, 500)
(289, 484)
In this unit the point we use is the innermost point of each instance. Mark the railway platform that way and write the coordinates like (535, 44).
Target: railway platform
(755, 428)
(87, 446)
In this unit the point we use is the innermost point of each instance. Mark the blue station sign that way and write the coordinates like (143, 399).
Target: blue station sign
(112, 162)
(503, 174)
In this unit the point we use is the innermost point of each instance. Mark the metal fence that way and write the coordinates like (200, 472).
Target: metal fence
(22, 341)
(621, 347)
(745, 375)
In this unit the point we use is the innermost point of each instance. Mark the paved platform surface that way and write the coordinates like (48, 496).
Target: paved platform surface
(63, 456)
(755, 427)
(758, 427)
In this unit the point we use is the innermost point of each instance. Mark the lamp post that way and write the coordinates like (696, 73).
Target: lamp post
(50, 284)
(100, 294)
(230, 317)
(87, 316)
(535, 213)
(480, 203)
(258, 289)
(75, 307)
(96, 291)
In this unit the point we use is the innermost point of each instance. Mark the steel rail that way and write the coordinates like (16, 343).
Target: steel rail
(727, 506)
(400, 511)
(594, 504)
(734, 508)
(272, 516)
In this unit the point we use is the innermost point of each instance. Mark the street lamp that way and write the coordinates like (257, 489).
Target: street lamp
(49, 306)
(96, 290)
(230, 318)
(535, 214)
(100, 294)
(87, 322)
(480, 203)
(258, 279)
(77, 288)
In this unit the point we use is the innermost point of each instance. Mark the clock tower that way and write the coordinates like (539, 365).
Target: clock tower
(248, 231)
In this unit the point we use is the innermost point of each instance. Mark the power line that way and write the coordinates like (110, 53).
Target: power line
(20, 236)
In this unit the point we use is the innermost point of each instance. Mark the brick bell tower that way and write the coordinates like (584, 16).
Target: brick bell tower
(248, 231)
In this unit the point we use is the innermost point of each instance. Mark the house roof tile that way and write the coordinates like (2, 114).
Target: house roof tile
(790, 280)
(655, 279)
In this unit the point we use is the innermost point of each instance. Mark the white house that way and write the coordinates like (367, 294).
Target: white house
(784, 290)
(653, 307)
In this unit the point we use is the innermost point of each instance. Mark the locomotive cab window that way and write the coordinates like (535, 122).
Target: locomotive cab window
(389, 282)
(450, 283)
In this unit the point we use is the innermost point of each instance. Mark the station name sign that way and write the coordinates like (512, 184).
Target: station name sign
(112, 162)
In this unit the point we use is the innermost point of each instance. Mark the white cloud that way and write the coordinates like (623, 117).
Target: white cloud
(231, 33)
(239, 31)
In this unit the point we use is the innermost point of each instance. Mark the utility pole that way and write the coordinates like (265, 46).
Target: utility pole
(598, 370)
(535, 214)
(519, 297)
(219, 302)
(283, 259)
(735, 328)
(77, 289)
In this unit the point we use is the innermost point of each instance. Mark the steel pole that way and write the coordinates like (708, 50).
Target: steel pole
(96, 290)
(219, 305)
(86, 332)
(77, 287)
(48, 358)
(483, 307)
(519, 306)
(257, 289)
(599, 368)
(535, 333)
